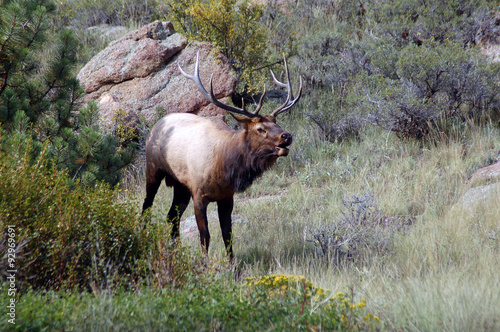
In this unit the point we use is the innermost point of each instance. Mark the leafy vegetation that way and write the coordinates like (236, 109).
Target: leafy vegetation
(410, 67)
(368, 212)
(217, 304)
(88, 13)
(362, 226)
(231, 25)
(67, 235)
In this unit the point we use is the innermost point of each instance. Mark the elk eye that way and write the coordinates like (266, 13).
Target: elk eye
(260, 130)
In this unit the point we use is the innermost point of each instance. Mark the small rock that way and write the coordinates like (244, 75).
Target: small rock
(189, 228)
(486, 173)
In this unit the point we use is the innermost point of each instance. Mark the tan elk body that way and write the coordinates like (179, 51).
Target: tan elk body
(204, 159)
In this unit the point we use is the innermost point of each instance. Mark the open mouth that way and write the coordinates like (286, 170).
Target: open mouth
(282, 150)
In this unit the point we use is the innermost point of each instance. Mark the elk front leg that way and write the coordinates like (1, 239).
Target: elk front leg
(200, 212)
(225, 208)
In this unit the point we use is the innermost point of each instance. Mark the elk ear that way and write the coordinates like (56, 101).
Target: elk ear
(242, 120)
(269, 118)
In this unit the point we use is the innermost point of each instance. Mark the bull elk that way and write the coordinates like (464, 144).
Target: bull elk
(204, 159)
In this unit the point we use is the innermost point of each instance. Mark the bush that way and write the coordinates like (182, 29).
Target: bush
(335, 77)
(88, 154)
(61, 232)
(436, 82)
(69, 235)
(415, 73)
(313, 307)
(233, 26)
(413, 21)
(361, 228)
(327, 110)
(84, 14)
(28, 83)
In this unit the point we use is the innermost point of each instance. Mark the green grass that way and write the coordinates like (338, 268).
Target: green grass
(440, 272)
(437, 271)
(276, 302)
(441, 269)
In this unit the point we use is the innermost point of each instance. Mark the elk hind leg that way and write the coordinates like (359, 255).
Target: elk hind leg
(153, 181)
(181, 199)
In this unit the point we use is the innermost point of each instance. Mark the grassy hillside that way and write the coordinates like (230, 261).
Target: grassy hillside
(400, 108)
(422, 260)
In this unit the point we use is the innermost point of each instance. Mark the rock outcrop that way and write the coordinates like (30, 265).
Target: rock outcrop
(138, 74)
(476, 195)
(482, 193)
(486, 173)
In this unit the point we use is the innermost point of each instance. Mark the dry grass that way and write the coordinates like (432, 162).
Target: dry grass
(441, 272)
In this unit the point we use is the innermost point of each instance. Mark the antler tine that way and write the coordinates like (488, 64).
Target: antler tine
(211, 96)
(259, 105)
(290, 101)
(283, 85)
(261, 100)
(288, 104)
(196, 78)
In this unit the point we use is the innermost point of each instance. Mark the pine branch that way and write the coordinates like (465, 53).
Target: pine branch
(10, 35)
(78, 171)
(9, 66)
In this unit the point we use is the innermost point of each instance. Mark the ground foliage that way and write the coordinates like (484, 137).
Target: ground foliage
(274, 302)
(233, 26)
(81, 15)
(67, 235)
(413, 68)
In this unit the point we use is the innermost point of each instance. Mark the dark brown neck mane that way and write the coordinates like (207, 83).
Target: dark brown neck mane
(242, 165)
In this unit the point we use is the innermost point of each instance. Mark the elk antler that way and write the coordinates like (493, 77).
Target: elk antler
(211, 96)
(290, 101)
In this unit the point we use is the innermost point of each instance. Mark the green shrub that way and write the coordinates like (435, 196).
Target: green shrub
(414, 71)
(327, 110)
(335, 77)
(318, 307)
(439, 84)
(414, 21)
(27, 83)
(65, 235)
(362, 230)
(233, 26)
(84, 14)
(88, 154)
(310, 12)
(69, 235)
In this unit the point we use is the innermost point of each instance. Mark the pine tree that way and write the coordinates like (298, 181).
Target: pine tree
(38, 95)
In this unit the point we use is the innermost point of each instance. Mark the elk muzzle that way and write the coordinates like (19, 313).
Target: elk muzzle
(286, 140)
